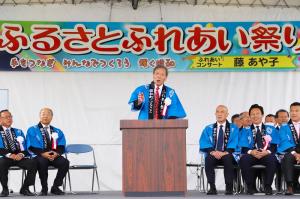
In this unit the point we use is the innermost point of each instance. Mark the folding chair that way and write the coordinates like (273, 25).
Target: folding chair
(80, 149)
(260, 184)
(236, 180)
(296, 166)
(16, 168)
(199, 173)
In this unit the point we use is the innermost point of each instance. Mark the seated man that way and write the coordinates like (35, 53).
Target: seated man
(218, 141)
(282, 117)
(13, 153)
(48, 143)
(156, 100)
(290, 146)
(259, 146)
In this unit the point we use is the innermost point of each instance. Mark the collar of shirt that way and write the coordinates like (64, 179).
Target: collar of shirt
(45, 126)
(48, 130)
(296, 124)
(159, 90)
(255, 126)
(223, 124)
(4, 128)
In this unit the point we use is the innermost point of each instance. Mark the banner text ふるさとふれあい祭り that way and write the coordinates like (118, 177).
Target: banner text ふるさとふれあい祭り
(128, 47)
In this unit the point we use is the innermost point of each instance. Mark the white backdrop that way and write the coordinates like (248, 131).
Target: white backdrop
(89, 106)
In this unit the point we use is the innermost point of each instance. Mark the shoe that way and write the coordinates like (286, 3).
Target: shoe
(296, 188)
(56, 191)
(26, 192)
(44, 192)
(250, 190)
(4, 192)
(268, 190)
(228, 192)
(289, 191)
(212, 191)
(229, 189)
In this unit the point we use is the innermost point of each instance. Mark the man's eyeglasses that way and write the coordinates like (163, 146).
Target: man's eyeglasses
(8, 117)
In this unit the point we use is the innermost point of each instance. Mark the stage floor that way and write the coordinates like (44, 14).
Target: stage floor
(118, 195)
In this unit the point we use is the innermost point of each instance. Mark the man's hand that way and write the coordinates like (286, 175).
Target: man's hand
(297, 157)
(53, 155)
(12, 156)
(223, 153)
(216, 154)
(263, 153)
(19, 156)
(47, 155)
(140, 98)
(255, 153)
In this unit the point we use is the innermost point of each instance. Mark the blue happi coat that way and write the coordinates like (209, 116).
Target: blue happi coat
(286, 138)
(246, 139)
(34, 138)
(206, 139)
(175, 109)
(18, 132)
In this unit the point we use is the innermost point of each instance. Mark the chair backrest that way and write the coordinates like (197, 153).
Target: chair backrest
(79, 148)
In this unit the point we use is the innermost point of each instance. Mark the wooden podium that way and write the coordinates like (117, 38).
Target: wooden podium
(154, 157)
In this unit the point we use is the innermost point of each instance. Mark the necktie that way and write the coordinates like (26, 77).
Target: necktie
(259, 143)
(298, 131)
(47, 136)
(10, 140)
(156, 103)
(220, 140)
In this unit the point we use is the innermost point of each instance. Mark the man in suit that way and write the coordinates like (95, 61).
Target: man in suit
(282, 117)
(270, 119)
(235, 119)
(13, 153)
(290, 146)
(218, 142)
(259, 146)
(156, 100)
(48, 143)
(245, 119)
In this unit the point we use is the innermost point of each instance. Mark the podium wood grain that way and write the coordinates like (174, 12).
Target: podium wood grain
(154, 156)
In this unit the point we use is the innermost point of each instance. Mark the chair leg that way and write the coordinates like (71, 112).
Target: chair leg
(202, 179)
(245, 186)
(64, 183)
(283, 184)
(236, 182)
(198, 178)
(240, 182)
(98, 183)
(23, 176)
(69, 177)
(93, 180)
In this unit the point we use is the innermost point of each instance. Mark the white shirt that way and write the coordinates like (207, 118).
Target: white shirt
(297, 127)
(48, 130)
(259, 125)
(159, 90)
(218, 129)
(260, 128)
(4, 128)
(219, 126)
